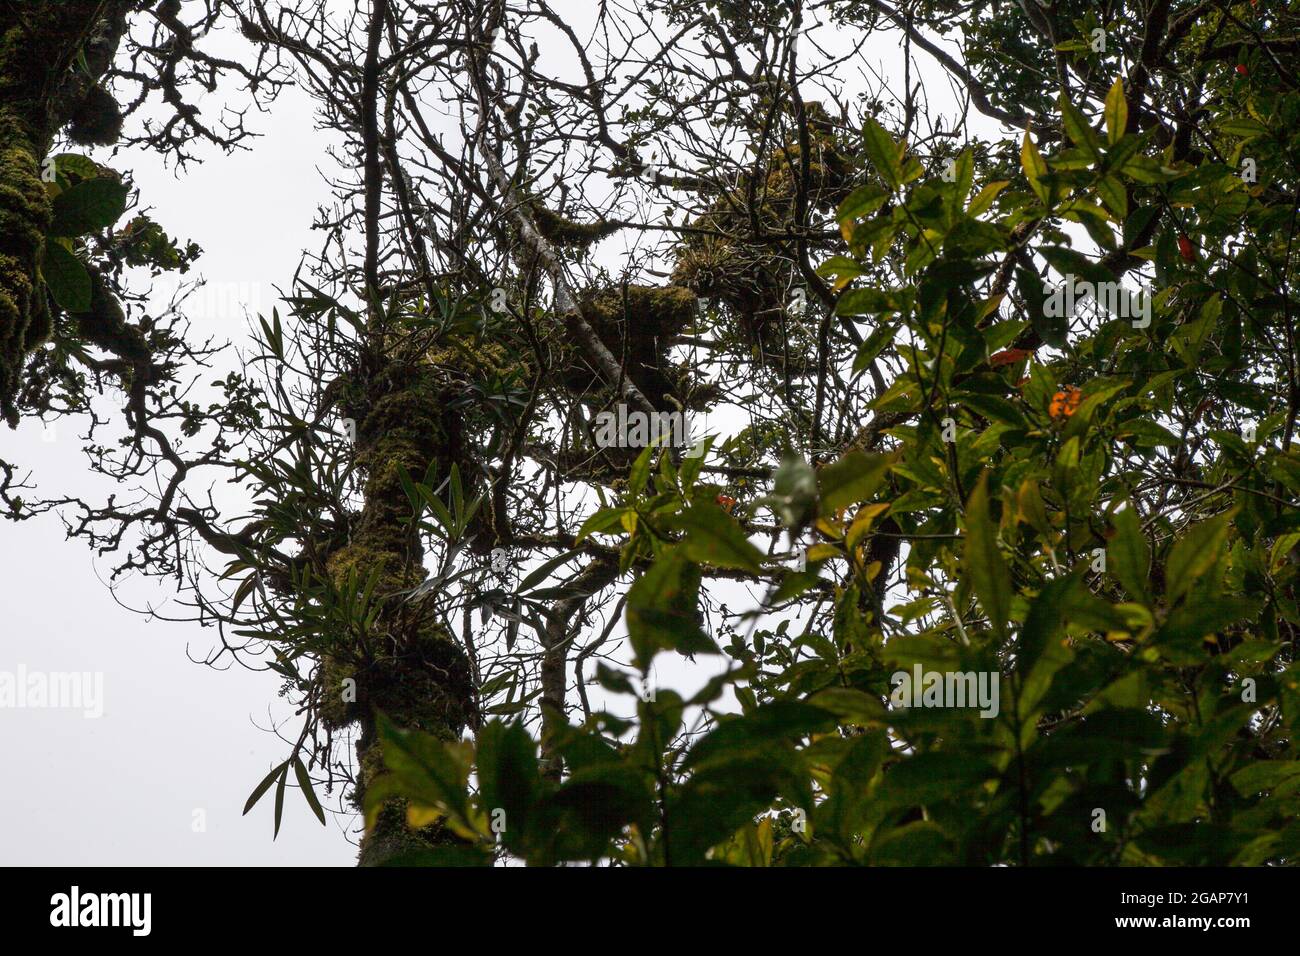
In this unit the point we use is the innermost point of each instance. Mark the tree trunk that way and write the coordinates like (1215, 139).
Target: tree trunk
(38, 42)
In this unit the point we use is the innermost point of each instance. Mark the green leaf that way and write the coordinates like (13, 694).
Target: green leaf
(509, 776)
(876, 343)
(1037, 637)
(1193, 554)
(1095, 394)
(853, 478)
(1051, 330)
(66, 278)
(922, 843)
(614, 681)
(714, 537)
(602, 522)
(636, 478)
(1137, 222)
(1242, 126)
(308, 791)
(883, 153)
(1066, 261)
(662, 610)
(720, 799)
(1035, 167)
(1129, 556)
(850, 793)
(264, 786)
(1079, 129)
(851, 706)
(994, 408)
(588, 811)
(931, 778)
(88, 207)
(794, 494)
(425, 769)
(861, 203)
(539, 574)
(82, 166)
(1267, 775)
(771, 723)
(1116, 112)
(983, 200)
(983, 562)
(1111, 191)
(869, 301)
(279, 799)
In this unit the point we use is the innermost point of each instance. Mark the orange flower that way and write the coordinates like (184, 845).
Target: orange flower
(1065, 403)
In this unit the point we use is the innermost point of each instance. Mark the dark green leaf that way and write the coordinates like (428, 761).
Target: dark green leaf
(66, 277)
(88, 207)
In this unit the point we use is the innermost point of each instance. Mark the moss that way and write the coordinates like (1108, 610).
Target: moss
(637, 324)
(566, 232)
(334, 709)
(37, 43)
(24, 217)
(417, 674)
(427, 682)
(409, 668)
(660, 310)
(105, 325)
(389, 838)
(397, 428)
(478, 358)
(753, 281)
(424, 686)
(97, 120)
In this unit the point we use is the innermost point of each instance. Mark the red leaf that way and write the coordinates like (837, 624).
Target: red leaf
(1008, 356)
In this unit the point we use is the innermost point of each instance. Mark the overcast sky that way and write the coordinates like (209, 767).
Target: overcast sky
(175, 737)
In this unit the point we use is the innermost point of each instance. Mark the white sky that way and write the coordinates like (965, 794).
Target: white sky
(175, 736)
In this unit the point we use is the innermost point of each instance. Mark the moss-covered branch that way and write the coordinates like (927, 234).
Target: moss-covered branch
(38, 44)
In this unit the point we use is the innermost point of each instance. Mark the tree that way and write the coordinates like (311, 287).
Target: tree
(1017, 384)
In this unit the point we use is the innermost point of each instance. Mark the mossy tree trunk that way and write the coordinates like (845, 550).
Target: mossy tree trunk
(413, 669)
(38, 44)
